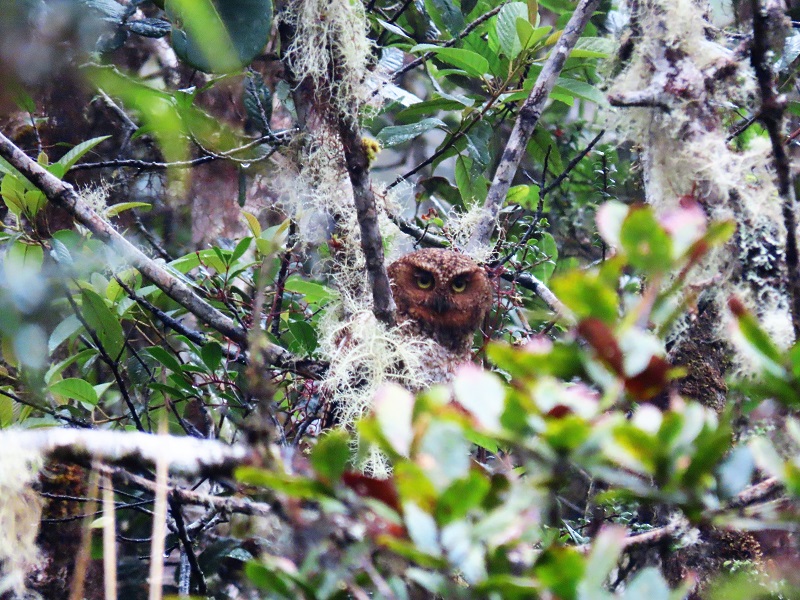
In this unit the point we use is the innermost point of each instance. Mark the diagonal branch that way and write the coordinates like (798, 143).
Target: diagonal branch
(528, 117)
(63, 195)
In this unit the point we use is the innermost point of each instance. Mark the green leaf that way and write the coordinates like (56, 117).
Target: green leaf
(546, 263)
(77, 389)
(297, 487)
(257, 101)
(252, 223)
(67, 161)
(593, 47)
(13, 191)
(305, 337)
(63, 330)
(314, 293)
(22, 256)
(219, 36)
(240, 249)
(211, 354)
(471, 62)
(104, 323)
(398, 134)
(165, 358)
(580, 89)
(6, 411)
(587, 295)
(472, 188)
(413, 112)
(647, 245)
(113, 211)
(507, 27)
(448, 15)
(530, 37)
(332, 454)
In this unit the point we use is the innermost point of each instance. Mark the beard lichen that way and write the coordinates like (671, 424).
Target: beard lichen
(332, 49)
(681, 79)
(20, 512)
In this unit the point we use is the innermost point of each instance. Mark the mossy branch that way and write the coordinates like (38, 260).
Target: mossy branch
(64, 195)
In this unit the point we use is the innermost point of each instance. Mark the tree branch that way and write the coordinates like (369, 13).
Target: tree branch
(528, 117)
(243, 506)
(186, 455)
(367, 214)
(771, 115)
(63, 194)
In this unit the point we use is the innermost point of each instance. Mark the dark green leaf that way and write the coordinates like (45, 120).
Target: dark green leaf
(164, 358)
(398, 134)
(219, 36)
(212, 355)
(305, 337)
(449, 15)
(104, 323)
(257, 101)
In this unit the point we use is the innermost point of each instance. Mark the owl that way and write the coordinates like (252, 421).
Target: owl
(444, 296)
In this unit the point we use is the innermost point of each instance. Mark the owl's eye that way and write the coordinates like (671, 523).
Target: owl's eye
(424, 280)
(459, 284)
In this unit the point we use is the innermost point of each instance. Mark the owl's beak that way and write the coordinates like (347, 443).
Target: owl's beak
(441, 304)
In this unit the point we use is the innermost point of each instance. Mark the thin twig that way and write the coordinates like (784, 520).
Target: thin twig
(229, 504)
(464, 33)
(280, 136)
(188, 551)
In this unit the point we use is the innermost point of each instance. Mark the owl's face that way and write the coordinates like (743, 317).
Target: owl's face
(444, 292)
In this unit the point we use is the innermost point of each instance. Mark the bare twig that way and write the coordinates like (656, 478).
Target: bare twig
(367, 214)
(771, 115)
(528, 117)
(276, 137)
(243, 506)
(188, 551)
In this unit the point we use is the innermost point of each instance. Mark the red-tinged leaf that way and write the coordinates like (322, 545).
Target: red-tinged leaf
(600, 337)
(651, 381)
(383, 490)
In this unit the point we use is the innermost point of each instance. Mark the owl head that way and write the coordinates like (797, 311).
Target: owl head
(446, 294)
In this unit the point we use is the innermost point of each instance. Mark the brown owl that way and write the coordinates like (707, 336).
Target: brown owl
(443, 295)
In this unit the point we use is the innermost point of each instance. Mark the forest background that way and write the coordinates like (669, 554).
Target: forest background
(200, 200)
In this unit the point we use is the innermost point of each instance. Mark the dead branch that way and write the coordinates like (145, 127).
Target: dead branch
(186, 455)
